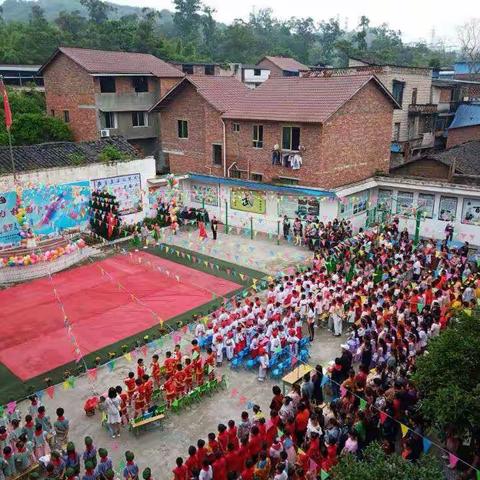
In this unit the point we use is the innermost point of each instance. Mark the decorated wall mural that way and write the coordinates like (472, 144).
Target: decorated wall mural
(252, 201)
(47, 209)
(204, 194)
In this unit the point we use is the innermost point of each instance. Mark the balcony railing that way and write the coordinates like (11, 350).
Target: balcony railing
(422, 109)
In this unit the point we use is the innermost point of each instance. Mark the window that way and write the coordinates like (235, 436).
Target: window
(397, 91)
(256, 177)
(209, 69)
(140, 84)
(414, 96)
(235, 173)
(448, 209)
(288, 73)
(107, 84)
(258, 136)
(66, 116)
(236, 127)
(182, 126)
(109, 120)
(217, 154)
(188, 69)
(290, 138)
(396, 132)
(384, 201)
(257, 72)
(354, 204)
(287, 181)
(140, 119)
(404, 203)
(426, 202)
(52, 112)
(471, 211)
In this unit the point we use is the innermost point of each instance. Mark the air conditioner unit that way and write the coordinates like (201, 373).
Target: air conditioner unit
(105, 132)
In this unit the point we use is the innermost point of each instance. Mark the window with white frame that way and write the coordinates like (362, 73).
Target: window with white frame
(405, 203)
(140, 119)
(290, 138)
(258, 136)
(425, 204)
(109, 120)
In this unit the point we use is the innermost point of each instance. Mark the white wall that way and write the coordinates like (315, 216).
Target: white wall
(248, 76)
(145, 167)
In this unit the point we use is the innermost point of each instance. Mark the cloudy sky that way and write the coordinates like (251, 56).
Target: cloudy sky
(415, 18)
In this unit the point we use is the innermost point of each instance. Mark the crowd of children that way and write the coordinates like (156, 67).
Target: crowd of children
(395, 296)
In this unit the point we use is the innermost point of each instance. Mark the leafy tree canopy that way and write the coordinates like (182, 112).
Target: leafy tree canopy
(32, 30)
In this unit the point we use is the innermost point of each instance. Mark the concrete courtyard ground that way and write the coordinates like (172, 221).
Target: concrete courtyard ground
(159, 447)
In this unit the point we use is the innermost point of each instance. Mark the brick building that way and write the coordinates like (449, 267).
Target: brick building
(191, 126)
(413, 124)
(465, 126)
(281, 66)
(321, 132)
(103, 93)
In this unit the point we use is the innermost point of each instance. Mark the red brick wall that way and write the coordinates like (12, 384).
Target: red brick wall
(204, 128)
(351, 146)
(166, 84)
(67, 87)
(457, 136)
(274, 70)
(356, 141)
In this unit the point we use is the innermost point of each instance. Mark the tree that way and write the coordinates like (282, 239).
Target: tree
(97, 10)
(469, 38)
(32, 128)
(361, 35)
(329, 34)
(209, 30)
(448, 377)
(186, 18)
(376, 464)
(72, 24)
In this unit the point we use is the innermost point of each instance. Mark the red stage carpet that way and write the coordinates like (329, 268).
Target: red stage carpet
(33, 338)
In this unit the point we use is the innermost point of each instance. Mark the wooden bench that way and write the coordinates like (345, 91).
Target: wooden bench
(32, 468)
(135, 427)
(295, 376)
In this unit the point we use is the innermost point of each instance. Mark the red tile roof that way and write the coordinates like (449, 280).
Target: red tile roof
(221, 92)
(298, 99)
(110, 62)
(286, 63)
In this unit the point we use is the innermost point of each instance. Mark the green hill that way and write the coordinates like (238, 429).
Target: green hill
(19, 10)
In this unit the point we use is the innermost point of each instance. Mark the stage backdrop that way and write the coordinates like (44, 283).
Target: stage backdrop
(49, 209)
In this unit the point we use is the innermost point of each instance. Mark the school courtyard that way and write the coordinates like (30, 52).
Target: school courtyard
(194, 269)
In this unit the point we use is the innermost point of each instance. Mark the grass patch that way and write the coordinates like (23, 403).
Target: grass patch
(12, 388)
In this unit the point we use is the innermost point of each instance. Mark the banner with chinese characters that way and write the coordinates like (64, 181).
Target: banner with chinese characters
(252, 201)
(49, 209)
(127, 190)
(204, 194)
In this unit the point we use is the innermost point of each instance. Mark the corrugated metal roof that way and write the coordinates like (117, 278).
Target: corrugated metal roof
(467, 115)
(312, 192)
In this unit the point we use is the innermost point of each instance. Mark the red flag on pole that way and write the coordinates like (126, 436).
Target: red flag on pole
(6, 105)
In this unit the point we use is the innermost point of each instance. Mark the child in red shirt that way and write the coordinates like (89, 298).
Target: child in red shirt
(140, 368)
(232, 434)
(180, 472)
(169, 364)
(199, 371)
(170, 389)
(219, 467)
(201, 452)
(180, 381)
(255, 442)
(155, 369)
(213, 445)
(130, 384)
(178, 354)
(248, 473)
(222, 437)
(232, 459)
(210, 363)
(188, 370)
(148, 388)
(192, 461)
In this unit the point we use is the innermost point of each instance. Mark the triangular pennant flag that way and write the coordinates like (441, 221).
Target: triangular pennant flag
(323, 475)
(312, 466)
(92, 373)
(128, 356)
(478, 474)
(404, 429)
(452, 460)
(209, 369)
(279, 433)
(66, 385)
(383, 417)
(50, 391)
(363, 404)
(144, 350)
(242, 400)
(234, 392)
(11, 406)
(426, 444)
(111, 365)
(343, 391)
(71, 381)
